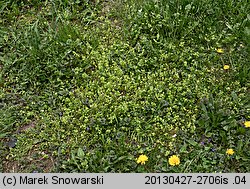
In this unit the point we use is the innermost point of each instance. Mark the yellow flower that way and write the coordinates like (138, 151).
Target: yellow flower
(142, 159)
(220, 50)
(174, 160)
(230, 151)
(226, 67)
(247, 123)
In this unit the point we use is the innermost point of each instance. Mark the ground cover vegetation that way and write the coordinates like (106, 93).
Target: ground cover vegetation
(124, 86)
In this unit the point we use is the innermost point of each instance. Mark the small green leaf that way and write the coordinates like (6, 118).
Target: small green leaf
(120, 158)
(192, 142)
(188, 7)
(183, 148)
(80, 153)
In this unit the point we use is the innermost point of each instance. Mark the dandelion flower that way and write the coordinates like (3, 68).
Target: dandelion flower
(247, 123)
(142, 159)
(220, 50)
(174, 160)
(230, 151)
(226, 67)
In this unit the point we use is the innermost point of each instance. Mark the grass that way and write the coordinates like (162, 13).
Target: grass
(89, 86)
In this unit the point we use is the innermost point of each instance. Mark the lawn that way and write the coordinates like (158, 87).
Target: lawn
(125, 86)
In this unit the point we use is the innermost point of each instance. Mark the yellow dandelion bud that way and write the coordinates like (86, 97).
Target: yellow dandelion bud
(230, 151)
(142, 159)
(247, 123)
(220, 50)
(226, 67)
(174, 160)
